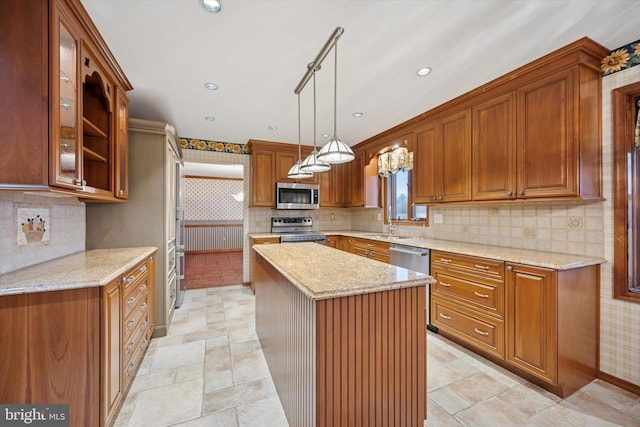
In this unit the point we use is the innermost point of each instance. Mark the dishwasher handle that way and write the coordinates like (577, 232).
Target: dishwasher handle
(409, 251)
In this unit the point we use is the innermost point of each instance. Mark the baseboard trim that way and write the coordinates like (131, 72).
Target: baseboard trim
(633, 388)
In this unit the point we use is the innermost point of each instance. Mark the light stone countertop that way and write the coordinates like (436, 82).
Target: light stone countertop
(96, 267)
(321, 272)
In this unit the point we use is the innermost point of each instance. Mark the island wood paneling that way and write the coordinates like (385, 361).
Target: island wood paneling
(351, 361)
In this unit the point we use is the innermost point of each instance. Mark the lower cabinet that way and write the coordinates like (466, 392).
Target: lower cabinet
(371, 249)
(252, 259)
(69, 346)
(540, 323)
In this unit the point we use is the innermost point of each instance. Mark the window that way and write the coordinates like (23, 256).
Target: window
(399, 206)
(626, 145)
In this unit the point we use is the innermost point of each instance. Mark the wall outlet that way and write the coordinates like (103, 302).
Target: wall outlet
(437, 218)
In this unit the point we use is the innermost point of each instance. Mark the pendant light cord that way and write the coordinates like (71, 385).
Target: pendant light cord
(335, 89)
(314, 109)
(299, 152)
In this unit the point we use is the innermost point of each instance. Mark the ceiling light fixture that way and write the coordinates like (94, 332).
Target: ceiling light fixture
(312, 163)
(423, 71)
(273, 127)
(295, 172)
(213, 6)
(211, 86)
(209, 118)
(335, 151)
(357, 115)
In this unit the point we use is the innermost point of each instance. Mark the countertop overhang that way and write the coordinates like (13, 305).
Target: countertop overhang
(96, 267)
(321, 272)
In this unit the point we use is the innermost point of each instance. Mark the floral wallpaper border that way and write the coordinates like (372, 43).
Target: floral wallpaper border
(622, 58)
(217, 146)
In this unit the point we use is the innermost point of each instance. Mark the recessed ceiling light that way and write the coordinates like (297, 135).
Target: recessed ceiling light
(209, 118)
(423, 71)
(213, 6)
(325, 135)
(211, 86)
(273, 127)
(357, 114)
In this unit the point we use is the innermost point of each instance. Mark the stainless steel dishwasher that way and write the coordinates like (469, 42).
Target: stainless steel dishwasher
(416, 259)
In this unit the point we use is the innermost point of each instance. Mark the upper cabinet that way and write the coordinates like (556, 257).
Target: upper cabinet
(442, 160)
(533, 133)
(79, 147)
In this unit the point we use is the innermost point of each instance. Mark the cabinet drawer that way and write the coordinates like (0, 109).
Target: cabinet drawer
(482, 266)
(136, 317)
(135, 276)
(486, 295)
(482, 331)
(130, 345)
(131, 367)
(134, 296)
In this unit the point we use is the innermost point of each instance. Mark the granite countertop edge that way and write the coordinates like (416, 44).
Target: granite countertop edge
(84, 269)
(350, 262)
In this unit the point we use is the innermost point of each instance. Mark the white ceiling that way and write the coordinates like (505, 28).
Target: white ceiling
(258, 50)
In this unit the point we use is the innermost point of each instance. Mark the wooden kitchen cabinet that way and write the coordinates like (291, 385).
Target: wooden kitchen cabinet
(121, 172)
(112, 386)
(540, 323)
(331, 241)
(332, 186)
(270, 163)
(442, 160)
(363, 186)
(70, 147)
(371, 249)
(494, 148)
(272, 240)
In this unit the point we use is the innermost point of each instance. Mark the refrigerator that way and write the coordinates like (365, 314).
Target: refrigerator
(180, 232)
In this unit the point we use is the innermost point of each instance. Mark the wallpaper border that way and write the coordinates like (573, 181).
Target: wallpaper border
(217, 146)
(621, 59)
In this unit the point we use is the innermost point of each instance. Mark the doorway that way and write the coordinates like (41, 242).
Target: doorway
(214, 199)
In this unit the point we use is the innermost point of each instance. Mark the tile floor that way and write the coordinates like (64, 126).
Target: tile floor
(210, 371)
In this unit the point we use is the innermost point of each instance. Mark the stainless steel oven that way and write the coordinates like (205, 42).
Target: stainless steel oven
(296, 230)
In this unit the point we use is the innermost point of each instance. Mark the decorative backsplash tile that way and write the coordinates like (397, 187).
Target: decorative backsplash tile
(33, 225)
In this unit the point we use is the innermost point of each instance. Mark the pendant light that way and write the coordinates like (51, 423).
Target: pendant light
(295, 172)
(311, 163)
(335, 151)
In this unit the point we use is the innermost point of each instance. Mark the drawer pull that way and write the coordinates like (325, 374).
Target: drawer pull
(144, 343)
(130, 324)
(444, 316)
(143, 288)
(446, 285)
(478, 331)
(482, 267)
(131, 368)
(143, 306)
(130, 346)
(130, 279)
(445, 260)
(143, 268)
(131, 300)
(144, 325)
(478, 294)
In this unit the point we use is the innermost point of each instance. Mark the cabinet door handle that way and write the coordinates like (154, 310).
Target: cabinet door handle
(509, 268)
(131, 300)
(444, 316)
(478, 331)
(446, 285)
(445, 260)
(439, 197)
(482, 267)
(509, 193)
(478, 294)
(520, 193)
(433, 197)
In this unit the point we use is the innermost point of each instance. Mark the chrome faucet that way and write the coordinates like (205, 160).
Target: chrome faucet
(391, 227)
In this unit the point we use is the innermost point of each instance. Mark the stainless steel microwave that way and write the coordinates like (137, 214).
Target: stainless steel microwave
(291, 195)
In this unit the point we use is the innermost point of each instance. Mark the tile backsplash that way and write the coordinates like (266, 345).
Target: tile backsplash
(57, 228)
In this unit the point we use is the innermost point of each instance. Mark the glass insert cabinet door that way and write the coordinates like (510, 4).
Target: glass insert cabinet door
(66, 144)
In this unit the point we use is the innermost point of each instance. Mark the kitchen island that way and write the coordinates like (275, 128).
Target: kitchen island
(344, 336)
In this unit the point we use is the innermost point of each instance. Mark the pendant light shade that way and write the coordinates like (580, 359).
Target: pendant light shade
(335, 151)
(311, 163)
(295, 172)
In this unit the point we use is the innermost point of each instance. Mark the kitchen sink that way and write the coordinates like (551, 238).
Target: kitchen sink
(389, 237)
